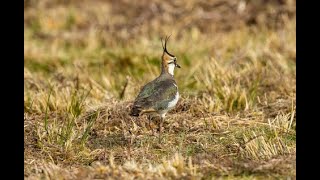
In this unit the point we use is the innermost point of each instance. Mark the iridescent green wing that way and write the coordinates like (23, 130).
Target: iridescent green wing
(157, 94)
(147, 90)
(166, 95)
(142, 99)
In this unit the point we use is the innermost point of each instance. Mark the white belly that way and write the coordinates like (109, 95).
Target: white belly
(173, 103)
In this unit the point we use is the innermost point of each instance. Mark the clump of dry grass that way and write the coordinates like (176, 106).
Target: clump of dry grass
(236, 117)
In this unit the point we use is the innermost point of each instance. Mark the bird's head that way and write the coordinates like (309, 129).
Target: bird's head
(169, 61)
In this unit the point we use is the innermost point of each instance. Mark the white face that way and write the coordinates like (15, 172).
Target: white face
(171, 68)
(171, 65)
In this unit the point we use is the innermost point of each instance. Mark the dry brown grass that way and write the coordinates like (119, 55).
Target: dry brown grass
(85, 63)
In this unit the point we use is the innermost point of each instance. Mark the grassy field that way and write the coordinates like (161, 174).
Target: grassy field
(85, 62)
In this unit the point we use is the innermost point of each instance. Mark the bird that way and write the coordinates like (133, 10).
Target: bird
(161, 94)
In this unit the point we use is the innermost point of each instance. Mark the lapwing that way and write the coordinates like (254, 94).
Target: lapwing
(160, 95)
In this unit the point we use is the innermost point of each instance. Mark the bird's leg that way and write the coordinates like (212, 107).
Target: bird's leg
(160, 126)
(149, 118)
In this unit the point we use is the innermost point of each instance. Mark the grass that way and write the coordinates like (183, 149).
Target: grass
(85, 64)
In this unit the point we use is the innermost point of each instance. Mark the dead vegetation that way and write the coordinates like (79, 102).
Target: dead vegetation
(85, 63)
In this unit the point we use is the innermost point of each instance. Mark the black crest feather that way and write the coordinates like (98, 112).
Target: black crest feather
(164, 46)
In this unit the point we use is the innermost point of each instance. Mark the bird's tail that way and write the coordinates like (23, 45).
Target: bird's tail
(135, 111)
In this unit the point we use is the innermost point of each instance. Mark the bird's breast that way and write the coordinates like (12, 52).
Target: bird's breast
(174, 101)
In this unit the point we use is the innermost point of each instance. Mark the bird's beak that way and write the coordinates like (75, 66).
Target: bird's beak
(177, 65)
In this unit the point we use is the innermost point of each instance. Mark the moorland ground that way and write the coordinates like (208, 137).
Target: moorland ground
(85, 62)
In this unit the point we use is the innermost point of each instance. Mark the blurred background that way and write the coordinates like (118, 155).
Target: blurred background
(123, 21)
(123, 37)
